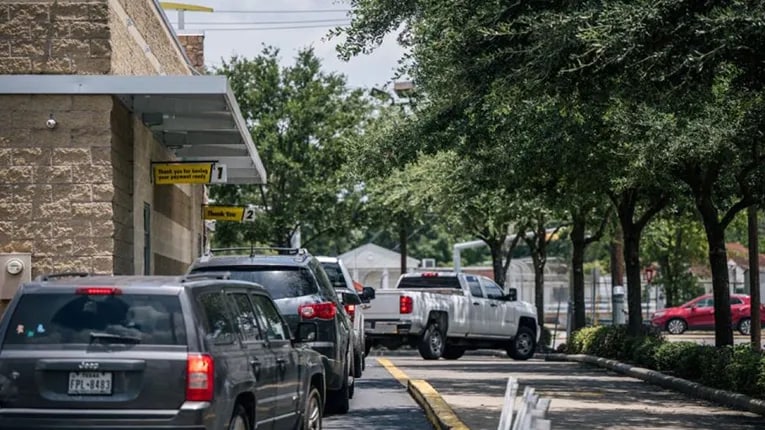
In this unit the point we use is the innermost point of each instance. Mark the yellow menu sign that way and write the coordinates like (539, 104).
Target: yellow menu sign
(228, 213)
(188, 173)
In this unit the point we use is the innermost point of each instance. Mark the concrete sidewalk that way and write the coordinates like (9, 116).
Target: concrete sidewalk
(583, 396)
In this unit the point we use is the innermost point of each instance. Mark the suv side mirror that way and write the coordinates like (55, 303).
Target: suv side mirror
(306, 332)
(368, 293)
(512, 294)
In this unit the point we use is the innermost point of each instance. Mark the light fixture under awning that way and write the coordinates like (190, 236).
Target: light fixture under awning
(196, 117)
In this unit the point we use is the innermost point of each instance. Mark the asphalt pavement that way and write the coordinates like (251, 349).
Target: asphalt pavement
(583, 396)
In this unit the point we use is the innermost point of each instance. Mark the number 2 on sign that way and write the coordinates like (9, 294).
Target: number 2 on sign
(249, 215)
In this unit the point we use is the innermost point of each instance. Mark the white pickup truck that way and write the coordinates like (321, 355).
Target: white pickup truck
(443, 314)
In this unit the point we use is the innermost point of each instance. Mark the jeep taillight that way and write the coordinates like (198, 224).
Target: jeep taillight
(322, 311)
(405, 305)
(351, 309)
(200, 371)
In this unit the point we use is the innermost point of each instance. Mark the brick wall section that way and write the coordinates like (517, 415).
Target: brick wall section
(143, 46)
(56, 185)
(47, 36)
(194, 45)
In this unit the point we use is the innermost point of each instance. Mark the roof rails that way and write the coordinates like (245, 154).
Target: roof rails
(260, 250)
(51, 276)
(205, 275)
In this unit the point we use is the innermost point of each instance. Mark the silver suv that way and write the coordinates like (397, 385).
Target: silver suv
(116, 352)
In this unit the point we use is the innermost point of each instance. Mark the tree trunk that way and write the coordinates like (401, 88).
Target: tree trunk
(718, 262)
(539, 285)
(495, 247)
(670, 281)
(754, 279)
(577, 266)
(634, 287)
(617, 257)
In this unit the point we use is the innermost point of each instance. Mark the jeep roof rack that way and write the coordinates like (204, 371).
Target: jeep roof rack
(260, 250)
(50, 276)
(205, 275)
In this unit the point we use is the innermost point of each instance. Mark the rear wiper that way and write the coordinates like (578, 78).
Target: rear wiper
(113, 338)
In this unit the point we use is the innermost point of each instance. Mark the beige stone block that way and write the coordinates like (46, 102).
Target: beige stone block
(67, 263)
(15, 211)
(103, 228)
(49, 138)
(16, 28)
(70, 228)
(93, 246)
(14, 137)
(5, 156)
(5, 47)
(92, 103)
(88, 65)
(73, 192)
(100, 48)
(53, 211)
(53, 174)
(11, 66)
(87, 137)
(6, 230)
(70, 48)
(98, 12)
(28, 48)
(69, 156)
(84, 119)
(103, 264)
(18, 246)
(29, 11)
(36, 194)
(33, 230)
(47, 30)
(77, 11)
(5, 14)
(93, 211)
(30, 156)
(52, 66)
(16, 175)
(48, 103)
(103, 192)
(92, 173)
(41, 264)
(101, 154)
(89, 30)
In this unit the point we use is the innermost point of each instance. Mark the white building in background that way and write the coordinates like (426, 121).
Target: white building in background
(375, 266)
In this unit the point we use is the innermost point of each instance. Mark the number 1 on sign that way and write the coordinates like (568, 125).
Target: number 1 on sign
(219, 174)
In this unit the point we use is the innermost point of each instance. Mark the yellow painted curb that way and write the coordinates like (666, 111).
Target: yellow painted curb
(439, 413)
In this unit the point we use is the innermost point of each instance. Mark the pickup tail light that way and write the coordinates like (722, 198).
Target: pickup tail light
(405, 305)
(200, 371)
(351, 309)
(322, 311)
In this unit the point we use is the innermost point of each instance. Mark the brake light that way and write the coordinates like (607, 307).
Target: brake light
(322, 311)
(200, 369)
(99, 291)
(405, 305)
(430, 274)
(351, 309)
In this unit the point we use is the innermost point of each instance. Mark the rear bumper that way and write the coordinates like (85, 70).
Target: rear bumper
(192, 417)
(385, 328)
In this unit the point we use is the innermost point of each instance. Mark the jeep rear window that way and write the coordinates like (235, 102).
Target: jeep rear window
(47, 319)
(430, 282)
(281, 282)
(335, 274)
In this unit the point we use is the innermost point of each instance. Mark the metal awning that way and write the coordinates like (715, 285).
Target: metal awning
(196, 117)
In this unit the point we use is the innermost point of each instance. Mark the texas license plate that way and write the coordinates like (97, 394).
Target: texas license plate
(90, 383)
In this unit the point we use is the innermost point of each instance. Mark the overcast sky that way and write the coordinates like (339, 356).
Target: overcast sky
(238, 33)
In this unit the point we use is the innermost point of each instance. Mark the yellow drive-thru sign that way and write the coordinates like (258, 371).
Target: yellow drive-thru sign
(228, 213)
(188, 173)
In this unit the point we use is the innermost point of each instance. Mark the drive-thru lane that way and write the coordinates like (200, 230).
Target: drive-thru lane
(379, 403)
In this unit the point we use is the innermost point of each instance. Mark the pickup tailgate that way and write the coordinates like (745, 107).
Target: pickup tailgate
(385, 306)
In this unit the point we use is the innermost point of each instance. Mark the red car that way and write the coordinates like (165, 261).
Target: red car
(699, 314)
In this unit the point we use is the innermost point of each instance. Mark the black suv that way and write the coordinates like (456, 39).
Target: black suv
(303, 292)
(117, 352)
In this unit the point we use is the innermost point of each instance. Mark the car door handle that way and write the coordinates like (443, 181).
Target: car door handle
(494, 305)
(476, 304)
(255, 364)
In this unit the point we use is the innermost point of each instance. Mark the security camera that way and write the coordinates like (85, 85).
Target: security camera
(51, 123)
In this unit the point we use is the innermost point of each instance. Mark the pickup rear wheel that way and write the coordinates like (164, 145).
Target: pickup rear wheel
(453, 352)
(432, 344)
(522, 346)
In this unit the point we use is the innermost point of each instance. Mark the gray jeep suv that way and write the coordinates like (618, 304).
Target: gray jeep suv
(117, 352)
(303, 292)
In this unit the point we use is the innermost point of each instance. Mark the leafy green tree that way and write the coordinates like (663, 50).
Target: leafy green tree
(301, 118)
